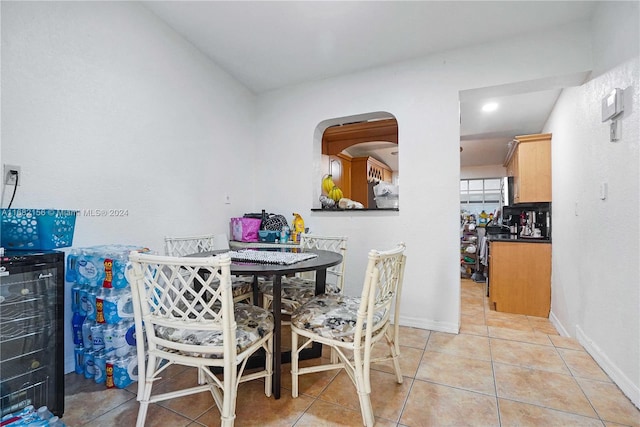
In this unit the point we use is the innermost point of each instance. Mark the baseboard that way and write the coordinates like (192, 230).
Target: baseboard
(558, 325)
(422, 323)
(631, 390)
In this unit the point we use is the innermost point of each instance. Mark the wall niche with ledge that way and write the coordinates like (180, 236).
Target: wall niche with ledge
(359, 154)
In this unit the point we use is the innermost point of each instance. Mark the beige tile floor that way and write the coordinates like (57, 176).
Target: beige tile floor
(501, 370)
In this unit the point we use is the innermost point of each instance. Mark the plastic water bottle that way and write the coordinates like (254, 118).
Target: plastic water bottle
(44, 413)
(72, 258)
(119, 341)
(87, 339)
(56, 422)
(109, 349)
(87, 267)
(75, 299)
(100, 367)
(25, 417)
(119, 264)
(284, 234)
(97, 334)
(84, 298)
(78, 355)
(12, 421)
(76, 321)
(89, 368)
(26, 411)
(132, 334)
(29, 409)
(125, 370)
(92, 292)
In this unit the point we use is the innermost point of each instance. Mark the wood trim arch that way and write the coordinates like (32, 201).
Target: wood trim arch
(337, 138)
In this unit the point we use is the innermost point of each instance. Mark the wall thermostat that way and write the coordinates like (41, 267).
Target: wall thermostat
(612, 105)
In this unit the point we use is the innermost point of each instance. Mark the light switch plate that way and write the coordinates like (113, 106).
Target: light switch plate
(612, 104)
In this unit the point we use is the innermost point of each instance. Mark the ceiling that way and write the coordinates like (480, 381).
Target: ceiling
(268, 45)
(522, 109)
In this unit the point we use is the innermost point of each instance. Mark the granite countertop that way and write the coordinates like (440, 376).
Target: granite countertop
(515, 239)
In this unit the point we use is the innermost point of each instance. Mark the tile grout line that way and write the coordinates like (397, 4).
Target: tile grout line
(493, 370)
(413, 381)
(585, 394)
(564, 362)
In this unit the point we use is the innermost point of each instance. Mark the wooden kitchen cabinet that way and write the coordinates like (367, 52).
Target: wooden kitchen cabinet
(340, 168)
(366, 171)
(520, 277)
(530, 167)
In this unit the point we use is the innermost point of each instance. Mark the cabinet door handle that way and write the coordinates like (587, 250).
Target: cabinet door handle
(45, 276)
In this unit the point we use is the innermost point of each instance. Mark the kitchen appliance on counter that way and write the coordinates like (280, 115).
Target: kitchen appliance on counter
(528, 220)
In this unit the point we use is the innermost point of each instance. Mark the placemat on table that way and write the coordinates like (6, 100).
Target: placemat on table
(270, 257)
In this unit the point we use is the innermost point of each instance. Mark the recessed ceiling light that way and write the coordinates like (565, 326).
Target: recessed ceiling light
(491, 106)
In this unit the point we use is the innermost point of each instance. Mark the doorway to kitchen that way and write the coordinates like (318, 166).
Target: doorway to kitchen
(490, 119)
(481, 202)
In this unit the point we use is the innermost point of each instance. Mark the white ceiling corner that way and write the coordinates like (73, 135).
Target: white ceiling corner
(268, 45)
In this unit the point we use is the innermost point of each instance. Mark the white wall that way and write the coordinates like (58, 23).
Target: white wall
(423, 96)
(103, 107)
(595, 272)
(479, 172)
(615, 33)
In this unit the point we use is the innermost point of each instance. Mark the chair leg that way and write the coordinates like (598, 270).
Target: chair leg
(144, 396)
(228, 410)
(334, 356)
(363, 386)
(269, 367)
(294, 364)
(201, 377)
(367, 410)
(396, 365)
(244, 299)
(394, 348)
(142, 414)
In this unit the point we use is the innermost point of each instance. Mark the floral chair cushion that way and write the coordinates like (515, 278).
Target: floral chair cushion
(329, 288)
(296, 291)
(253, 323)
(241, 286)
(332, 316)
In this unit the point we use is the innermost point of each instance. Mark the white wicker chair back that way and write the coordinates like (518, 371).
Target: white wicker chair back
(182, 246)
(338, 244)
(189, 317)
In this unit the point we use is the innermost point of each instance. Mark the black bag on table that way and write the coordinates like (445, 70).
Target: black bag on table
(273, 222)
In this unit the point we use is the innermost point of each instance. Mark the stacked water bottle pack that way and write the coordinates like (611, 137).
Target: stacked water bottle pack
(104, 333)
(29, 417)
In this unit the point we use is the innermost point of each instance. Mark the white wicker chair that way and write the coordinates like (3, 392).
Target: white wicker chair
(354, 325)
(190, 319)
(183, 246)
(301, 288)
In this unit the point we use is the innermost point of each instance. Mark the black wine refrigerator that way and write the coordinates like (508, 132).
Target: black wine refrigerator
(31, 330)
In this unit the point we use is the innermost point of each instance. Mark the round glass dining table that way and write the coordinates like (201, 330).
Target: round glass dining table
(319, 264)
